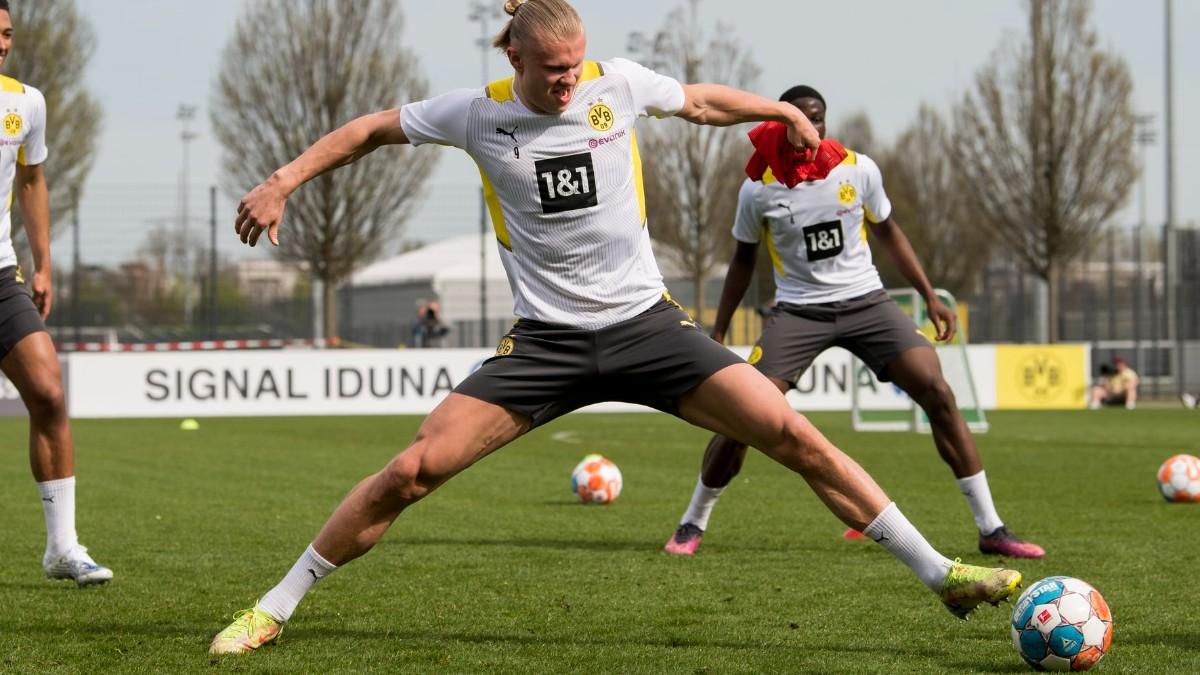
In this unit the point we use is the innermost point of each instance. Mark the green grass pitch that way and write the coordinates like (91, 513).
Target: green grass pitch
(500, 571)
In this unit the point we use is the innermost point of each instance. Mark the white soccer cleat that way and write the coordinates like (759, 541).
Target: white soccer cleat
(76, 565)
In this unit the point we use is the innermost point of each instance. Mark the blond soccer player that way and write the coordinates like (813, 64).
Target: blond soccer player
(561, 172)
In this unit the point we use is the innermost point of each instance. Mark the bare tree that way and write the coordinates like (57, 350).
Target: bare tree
(293, 71)
(855, 132)
(52, 46)
(692, 173)
(1044, 139)
(930, 201)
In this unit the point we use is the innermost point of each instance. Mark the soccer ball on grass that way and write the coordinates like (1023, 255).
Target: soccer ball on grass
(1061, 623)
(596, 480)
(1179, 479)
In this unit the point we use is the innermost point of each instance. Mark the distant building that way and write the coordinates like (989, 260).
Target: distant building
(268, 280)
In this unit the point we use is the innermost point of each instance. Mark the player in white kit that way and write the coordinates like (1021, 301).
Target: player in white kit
(828, 293)
(27, 354)
(558, 157)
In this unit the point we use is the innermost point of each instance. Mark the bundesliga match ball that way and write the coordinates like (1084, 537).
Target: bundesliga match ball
(596, 480)
(1179, 479)
(1061, 623)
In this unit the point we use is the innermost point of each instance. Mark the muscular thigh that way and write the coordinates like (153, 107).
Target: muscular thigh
(460, 431)
(740, 403)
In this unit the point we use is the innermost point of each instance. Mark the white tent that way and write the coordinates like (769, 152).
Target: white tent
(452, 269)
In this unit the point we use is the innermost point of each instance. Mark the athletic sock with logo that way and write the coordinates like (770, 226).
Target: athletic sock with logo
(281, 601)
(892, 530)
(58, 505)
(979, 497)
(704, 499)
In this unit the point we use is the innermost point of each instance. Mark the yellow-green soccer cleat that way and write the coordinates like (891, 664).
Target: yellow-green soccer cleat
(251, 629)
(966, 586)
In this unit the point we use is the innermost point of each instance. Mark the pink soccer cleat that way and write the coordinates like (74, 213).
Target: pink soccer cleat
(685, 541)
(1003, 542)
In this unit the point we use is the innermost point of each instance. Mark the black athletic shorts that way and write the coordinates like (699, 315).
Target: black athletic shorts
(544, 371)
(871, 326)
(18, 317)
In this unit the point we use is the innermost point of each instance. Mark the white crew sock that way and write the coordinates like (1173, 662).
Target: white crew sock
(892, 530)
(704, 499)
(58, 504)
(281, 601)
(979, 497)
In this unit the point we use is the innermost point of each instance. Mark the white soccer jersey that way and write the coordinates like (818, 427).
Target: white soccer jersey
(817, 231)
(22, 141)
(564, 191)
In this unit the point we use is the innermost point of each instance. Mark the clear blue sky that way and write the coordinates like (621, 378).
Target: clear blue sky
(880, 56)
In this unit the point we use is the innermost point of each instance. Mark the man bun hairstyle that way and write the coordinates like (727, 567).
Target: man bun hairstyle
(802, 91)
(544, 19)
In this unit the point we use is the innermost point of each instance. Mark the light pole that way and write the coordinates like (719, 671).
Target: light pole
(1170, 260)
(185, 114)
(481, 12)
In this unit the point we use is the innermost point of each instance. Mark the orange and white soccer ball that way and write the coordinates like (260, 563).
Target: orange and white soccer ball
(596, 480)
(1179, 479)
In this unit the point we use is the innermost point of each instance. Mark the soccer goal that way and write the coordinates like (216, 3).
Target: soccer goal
(882, 406)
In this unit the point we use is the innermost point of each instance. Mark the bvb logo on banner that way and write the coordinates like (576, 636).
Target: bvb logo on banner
(1040, 376)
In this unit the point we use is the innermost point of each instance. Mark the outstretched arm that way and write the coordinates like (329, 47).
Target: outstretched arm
(721, 106)
(34, 198)
(737, 280)
(901, 252)
(262, 208)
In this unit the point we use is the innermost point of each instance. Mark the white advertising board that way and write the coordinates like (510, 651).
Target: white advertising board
(366, 382)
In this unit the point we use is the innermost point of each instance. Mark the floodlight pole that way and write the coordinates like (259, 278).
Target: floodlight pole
(212, 262)
(185, 114)
(76, 316)
(1170, 259)
(481, 12)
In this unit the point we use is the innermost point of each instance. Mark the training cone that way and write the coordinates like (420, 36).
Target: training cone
(853, 535)
(189, 425)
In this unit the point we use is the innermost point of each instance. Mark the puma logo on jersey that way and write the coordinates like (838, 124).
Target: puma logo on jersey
(513, 135)
(690, 324)
(791, 216)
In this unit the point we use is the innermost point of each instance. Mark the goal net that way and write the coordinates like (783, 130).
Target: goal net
(882, 406)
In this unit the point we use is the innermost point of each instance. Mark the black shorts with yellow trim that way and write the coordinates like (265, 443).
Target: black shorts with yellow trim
(544, 371)
(871, 326)
(18, 317)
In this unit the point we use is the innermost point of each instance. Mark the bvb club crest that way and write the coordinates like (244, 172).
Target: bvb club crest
(847, 194)
(506, 346)
(755, 355)
(600, 117)
(13, 124)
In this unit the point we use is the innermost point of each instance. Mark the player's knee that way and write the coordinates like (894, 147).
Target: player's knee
(46, 401)
(801, 445)
(934, 396)
(402, 480)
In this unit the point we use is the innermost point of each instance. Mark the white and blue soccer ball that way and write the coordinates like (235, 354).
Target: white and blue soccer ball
(596, 480)
(1061, 623)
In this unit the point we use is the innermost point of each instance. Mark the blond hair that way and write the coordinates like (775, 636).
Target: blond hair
(544, 19)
